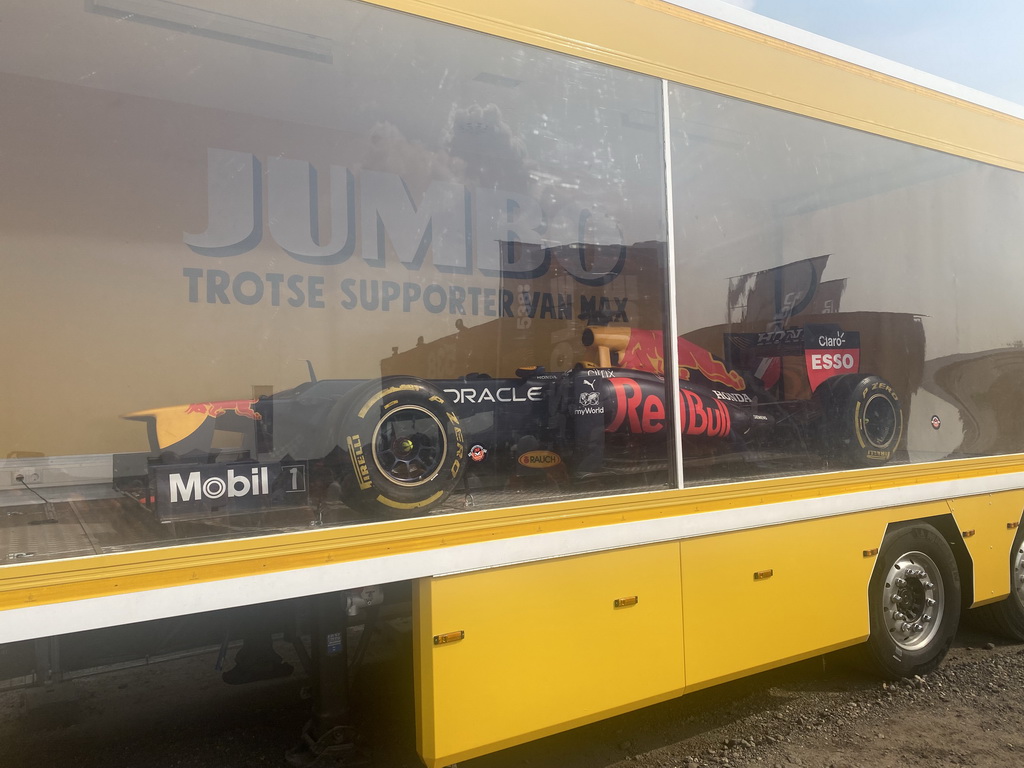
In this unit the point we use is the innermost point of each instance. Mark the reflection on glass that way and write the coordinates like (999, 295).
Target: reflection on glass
(322, 286)
(855, 285)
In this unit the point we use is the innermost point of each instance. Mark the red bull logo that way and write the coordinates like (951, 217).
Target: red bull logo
(639, 412)
(703, 417)
(220, 407)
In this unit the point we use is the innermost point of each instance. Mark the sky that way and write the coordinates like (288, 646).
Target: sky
(976, 43)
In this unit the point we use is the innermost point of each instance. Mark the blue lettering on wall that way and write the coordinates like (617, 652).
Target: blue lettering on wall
(493, 233)
(216, 286)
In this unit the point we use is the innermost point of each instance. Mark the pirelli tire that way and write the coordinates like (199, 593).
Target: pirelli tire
(1006, 617)
(405, 447)
(862, 419)
(914, 602)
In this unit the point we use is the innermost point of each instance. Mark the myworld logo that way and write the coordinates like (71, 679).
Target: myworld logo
(194, 487)
(466, 230)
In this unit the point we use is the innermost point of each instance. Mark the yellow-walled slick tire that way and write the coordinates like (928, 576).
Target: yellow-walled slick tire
(405, 446)
(862, 419)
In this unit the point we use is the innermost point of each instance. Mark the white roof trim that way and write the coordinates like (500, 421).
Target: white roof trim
(732, 14)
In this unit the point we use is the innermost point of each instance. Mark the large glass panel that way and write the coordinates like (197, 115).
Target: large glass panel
(269, 265)
(848, 300)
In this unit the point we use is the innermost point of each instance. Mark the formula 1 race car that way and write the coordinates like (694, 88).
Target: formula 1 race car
(400, 445)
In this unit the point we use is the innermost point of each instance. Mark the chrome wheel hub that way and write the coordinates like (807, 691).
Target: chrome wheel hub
(912, 600)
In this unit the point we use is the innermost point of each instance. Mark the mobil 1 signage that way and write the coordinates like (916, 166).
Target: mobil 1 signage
(196, 491)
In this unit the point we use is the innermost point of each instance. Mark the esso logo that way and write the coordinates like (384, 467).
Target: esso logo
(834, 361)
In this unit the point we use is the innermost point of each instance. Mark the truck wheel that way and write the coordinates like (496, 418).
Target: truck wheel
(1006, 617)
(862, 419)
(405, 445)
(914, 602)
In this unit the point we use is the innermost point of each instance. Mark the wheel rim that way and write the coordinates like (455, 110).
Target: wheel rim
(879, 420)
(409, 445)
(912, 601)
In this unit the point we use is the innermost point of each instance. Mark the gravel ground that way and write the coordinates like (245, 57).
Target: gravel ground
(968, 713)
(820, 712)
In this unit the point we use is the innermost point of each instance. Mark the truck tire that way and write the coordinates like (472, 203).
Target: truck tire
(405, 446)
(1006, 618)
(862, 422)
(914, 602)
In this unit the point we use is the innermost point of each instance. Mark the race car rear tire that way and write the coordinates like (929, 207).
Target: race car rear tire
(1006, 617)
(862, 422)
(914, 602)
(405, 447)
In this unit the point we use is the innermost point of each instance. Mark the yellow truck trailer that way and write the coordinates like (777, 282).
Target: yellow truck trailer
(646, 348)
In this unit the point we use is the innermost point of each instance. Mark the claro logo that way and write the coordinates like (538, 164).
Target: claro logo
(826, 342)
(193, 487)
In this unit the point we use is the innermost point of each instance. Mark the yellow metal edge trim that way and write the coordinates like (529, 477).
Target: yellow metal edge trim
(63, 580)
(703, 684)
(438, 761)
(606, 31)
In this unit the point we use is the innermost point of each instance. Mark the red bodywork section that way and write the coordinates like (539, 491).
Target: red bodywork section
(220, 407)
(643, 352)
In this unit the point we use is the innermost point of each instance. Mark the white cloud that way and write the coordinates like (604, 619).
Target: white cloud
(747, 5)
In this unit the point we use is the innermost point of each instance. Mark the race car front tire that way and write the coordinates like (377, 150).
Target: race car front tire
(405, 447)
